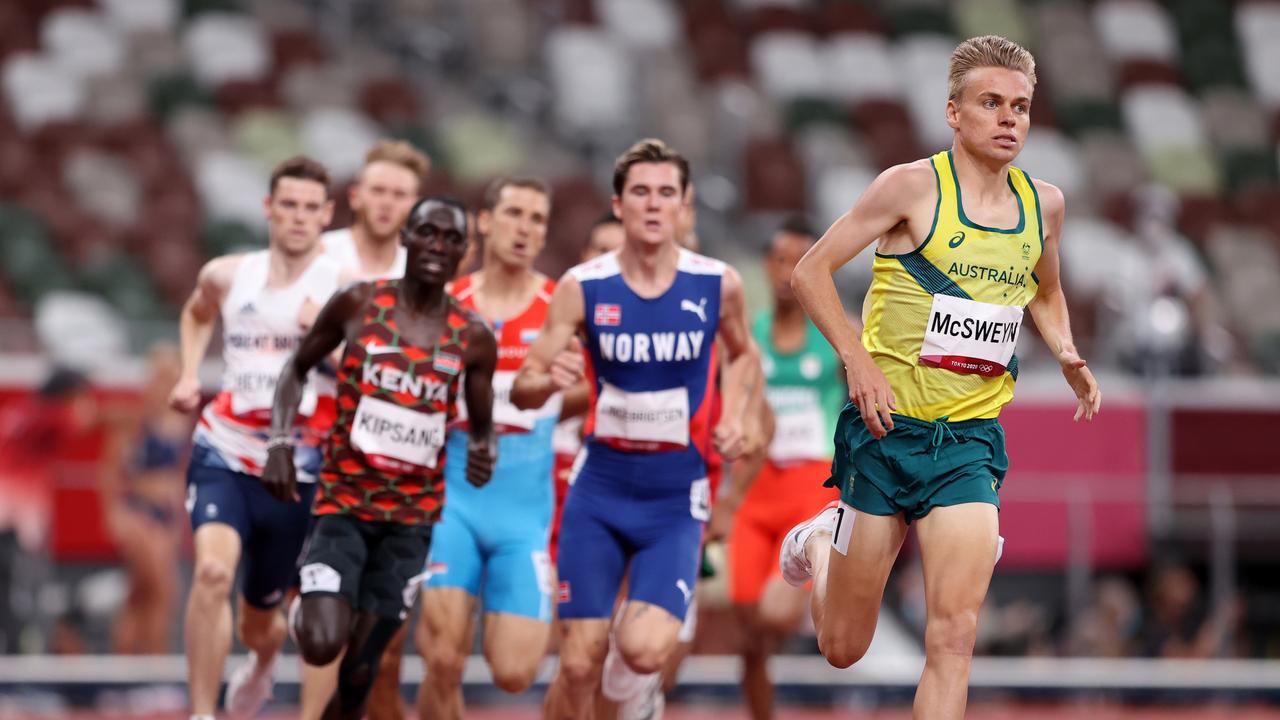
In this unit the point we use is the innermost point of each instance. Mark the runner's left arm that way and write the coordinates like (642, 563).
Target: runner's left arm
(743, 374)
(1049, 307)
(328, 332)
(482, 443)
(742, 475)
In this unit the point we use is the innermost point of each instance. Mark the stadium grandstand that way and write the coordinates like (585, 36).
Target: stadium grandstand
(1139, 576)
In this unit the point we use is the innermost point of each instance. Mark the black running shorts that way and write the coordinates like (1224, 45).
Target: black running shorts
(377, 567)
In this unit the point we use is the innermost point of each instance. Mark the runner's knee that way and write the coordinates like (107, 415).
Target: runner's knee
(951, 634)
(645, 654)
(512, 673)
(320, 643)
(214, 576)
(445, 664)
(842, 649)
(257, 626)
(580, 671)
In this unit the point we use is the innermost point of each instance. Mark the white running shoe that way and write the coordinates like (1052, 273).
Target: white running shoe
(250, 686)
(792, 561)
(618, 681)
(647, 704)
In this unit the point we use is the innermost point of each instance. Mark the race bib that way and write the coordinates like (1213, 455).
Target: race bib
(700, 500)
(970, 337)
(643, 421)
(507, 418)
(567, 437)
(252, 385)
(799, 435)
(387, 430)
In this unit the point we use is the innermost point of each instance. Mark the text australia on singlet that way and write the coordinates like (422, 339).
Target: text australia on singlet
(390, 430)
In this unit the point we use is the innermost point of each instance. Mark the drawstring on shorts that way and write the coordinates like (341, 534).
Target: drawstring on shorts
(941, 430)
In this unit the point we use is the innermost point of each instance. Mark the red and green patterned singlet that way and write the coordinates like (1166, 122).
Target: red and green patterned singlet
(385, 458)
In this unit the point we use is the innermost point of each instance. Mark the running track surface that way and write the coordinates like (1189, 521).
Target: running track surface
(977, 711)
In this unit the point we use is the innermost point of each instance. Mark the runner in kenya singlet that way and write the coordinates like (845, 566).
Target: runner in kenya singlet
(385, 457)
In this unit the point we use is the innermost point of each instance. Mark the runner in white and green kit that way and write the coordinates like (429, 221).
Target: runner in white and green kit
(804, 384)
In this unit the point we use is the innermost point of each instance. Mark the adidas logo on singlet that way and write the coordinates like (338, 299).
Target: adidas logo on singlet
(248, 309)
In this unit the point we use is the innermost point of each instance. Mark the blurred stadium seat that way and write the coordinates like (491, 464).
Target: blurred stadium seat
(136, 138)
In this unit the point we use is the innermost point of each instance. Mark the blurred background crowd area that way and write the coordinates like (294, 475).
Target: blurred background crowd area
(136, 137)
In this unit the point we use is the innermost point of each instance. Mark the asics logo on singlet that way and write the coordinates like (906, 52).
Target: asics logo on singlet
(700, 309)
(956, 239)
(651, 347)
(398, 381)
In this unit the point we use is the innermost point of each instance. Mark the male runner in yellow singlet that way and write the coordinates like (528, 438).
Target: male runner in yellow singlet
(965, 243)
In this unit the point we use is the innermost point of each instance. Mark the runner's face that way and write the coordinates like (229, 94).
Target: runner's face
(785, 251)
(296, 213)
(383, 197)
(436, 239)
(651, 203)
(604, 238)
(515, 231)
(993, 113)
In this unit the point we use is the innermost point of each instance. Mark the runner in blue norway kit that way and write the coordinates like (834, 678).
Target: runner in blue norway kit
(651, 364)
(639, 497)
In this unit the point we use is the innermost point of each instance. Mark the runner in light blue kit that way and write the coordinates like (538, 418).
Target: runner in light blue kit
(490, 548)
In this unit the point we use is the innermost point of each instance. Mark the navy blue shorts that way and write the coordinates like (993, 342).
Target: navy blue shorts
(271, 532)
(620, 510)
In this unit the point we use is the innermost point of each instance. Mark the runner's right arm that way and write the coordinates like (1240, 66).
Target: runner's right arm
(577, 400)
(885, 205)
(551, 366)
(195, 327)
(327, 333)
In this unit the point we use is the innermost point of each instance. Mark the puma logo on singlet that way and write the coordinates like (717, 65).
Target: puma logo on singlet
(700, 309)
(683, 587)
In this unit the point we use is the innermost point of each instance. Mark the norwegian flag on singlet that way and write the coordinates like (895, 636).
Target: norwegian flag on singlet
(608, 314)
